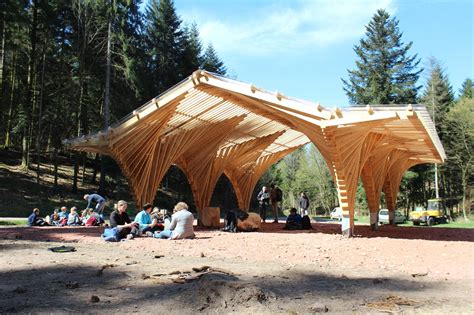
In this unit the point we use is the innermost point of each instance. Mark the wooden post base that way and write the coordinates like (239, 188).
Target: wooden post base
(374, 224)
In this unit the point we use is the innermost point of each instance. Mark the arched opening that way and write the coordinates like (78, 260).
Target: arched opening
(224, 195)
(174, 187)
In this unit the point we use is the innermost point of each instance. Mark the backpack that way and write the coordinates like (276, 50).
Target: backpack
(278, 194)
(92, 221)
(230, 222)
(111, 235)
(306, 223)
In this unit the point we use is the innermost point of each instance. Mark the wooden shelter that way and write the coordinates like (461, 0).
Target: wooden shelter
(209, 125)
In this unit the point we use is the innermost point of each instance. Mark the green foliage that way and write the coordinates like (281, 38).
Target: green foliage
(303, 170)
(438, 96)
(385, 73)
(68, 40)
(459, 144)
(467, 89)
(212, 62)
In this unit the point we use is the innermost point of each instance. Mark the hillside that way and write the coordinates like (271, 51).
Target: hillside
(20, 192)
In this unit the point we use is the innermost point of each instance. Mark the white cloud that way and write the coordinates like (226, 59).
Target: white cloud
(288, 26)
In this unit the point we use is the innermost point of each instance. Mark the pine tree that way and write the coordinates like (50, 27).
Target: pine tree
(467, 89)
(212, 62)
(459, 144)
(438, 96)
(192, 53)
(164, 44)
(384, 73)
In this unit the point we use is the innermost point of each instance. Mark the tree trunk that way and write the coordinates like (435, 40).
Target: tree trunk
(2, 56)
(94, 174)
(12, 99)
(28, 106)
(55, 161)
(464, 189)
(40, 113)
(76, 171)
(83, 175)
(106, 99)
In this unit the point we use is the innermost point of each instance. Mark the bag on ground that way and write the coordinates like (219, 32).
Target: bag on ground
(306, 223)
(111, 235)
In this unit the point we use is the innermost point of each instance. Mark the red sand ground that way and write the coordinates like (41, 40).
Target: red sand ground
(396, 269)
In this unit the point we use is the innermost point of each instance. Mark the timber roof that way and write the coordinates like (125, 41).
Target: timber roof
(209, 125)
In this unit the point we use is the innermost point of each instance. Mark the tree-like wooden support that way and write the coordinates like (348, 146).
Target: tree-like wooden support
(209, 125)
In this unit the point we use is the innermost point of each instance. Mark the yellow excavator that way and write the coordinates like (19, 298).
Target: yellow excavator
(435, 213)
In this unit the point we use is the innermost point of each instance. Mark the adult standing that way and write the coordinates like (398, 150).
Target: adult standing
(100, 202)
(181, 226)
(120, 219)
(276, 196)
(303, 202)
(263, 198)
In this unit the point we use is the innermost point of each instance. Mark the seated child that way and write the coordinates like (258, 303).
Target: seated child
(54, 217)
(293, 222)
(157, 219)
(85, 215)
(73, 218)
(63, 216)
(35, 220)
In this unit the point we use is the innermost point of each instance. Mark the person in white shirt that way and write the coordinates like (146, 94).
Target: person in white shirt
(181, 224)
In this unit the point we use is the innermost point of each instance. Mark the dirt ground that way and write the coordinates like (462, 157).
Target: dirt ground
(393, 270)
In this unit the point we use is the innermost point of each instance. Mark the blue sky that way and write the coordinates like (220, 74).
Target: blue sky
(303, 48)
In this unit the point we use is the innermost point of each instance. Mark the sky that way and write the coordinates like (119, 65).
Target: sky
(303, 48)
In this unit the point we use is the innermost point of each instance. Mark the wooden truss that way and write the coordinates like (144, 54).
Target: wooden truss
(210, 125)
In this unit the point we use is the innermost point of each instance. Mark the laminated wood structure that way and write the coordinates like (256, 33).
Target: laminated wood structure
(209, 125)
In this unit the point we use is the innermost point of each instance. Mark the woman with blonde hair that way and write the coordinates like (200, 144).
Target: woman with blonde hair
(181, 224)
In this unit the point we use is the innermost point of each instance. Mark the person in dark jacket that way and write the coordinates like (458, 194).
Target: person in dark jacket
(98, 199)
(303, 202)
(120, 219)
(293, 221)
(35, 220)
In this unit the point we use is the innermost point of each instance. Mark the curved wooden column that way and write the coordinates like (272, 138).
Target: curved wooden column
(401, 163)
(244, 177)
(199, 160)
(350, 147)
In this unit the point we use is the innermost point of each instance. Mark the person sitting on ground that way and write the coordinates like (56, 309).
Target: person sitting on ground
(53, 218)
(120, 219)
(143, 218)
(35, 220)
(181, 226)
(73, 218)
(293, 222)
(100, 202)
(157, 219)
(85, 215)
(63, 213)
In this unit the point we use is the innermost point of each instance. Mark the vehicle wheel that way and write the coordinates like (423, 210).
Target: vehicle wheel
(416, 223)
(430, 222)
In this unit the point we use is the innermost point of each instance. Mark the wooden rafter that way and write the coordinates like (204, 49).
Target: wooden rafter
(210, 125)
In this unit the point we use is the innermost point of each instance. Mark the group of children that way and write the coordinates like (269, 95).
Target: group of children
(61, 217)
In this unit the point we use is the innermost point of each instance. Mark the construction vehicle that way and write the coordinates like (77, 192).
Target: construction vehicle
(435, 213)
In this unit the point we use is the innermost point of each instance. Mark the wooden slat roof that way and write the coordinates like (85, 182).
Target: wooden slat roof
(211, 125)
